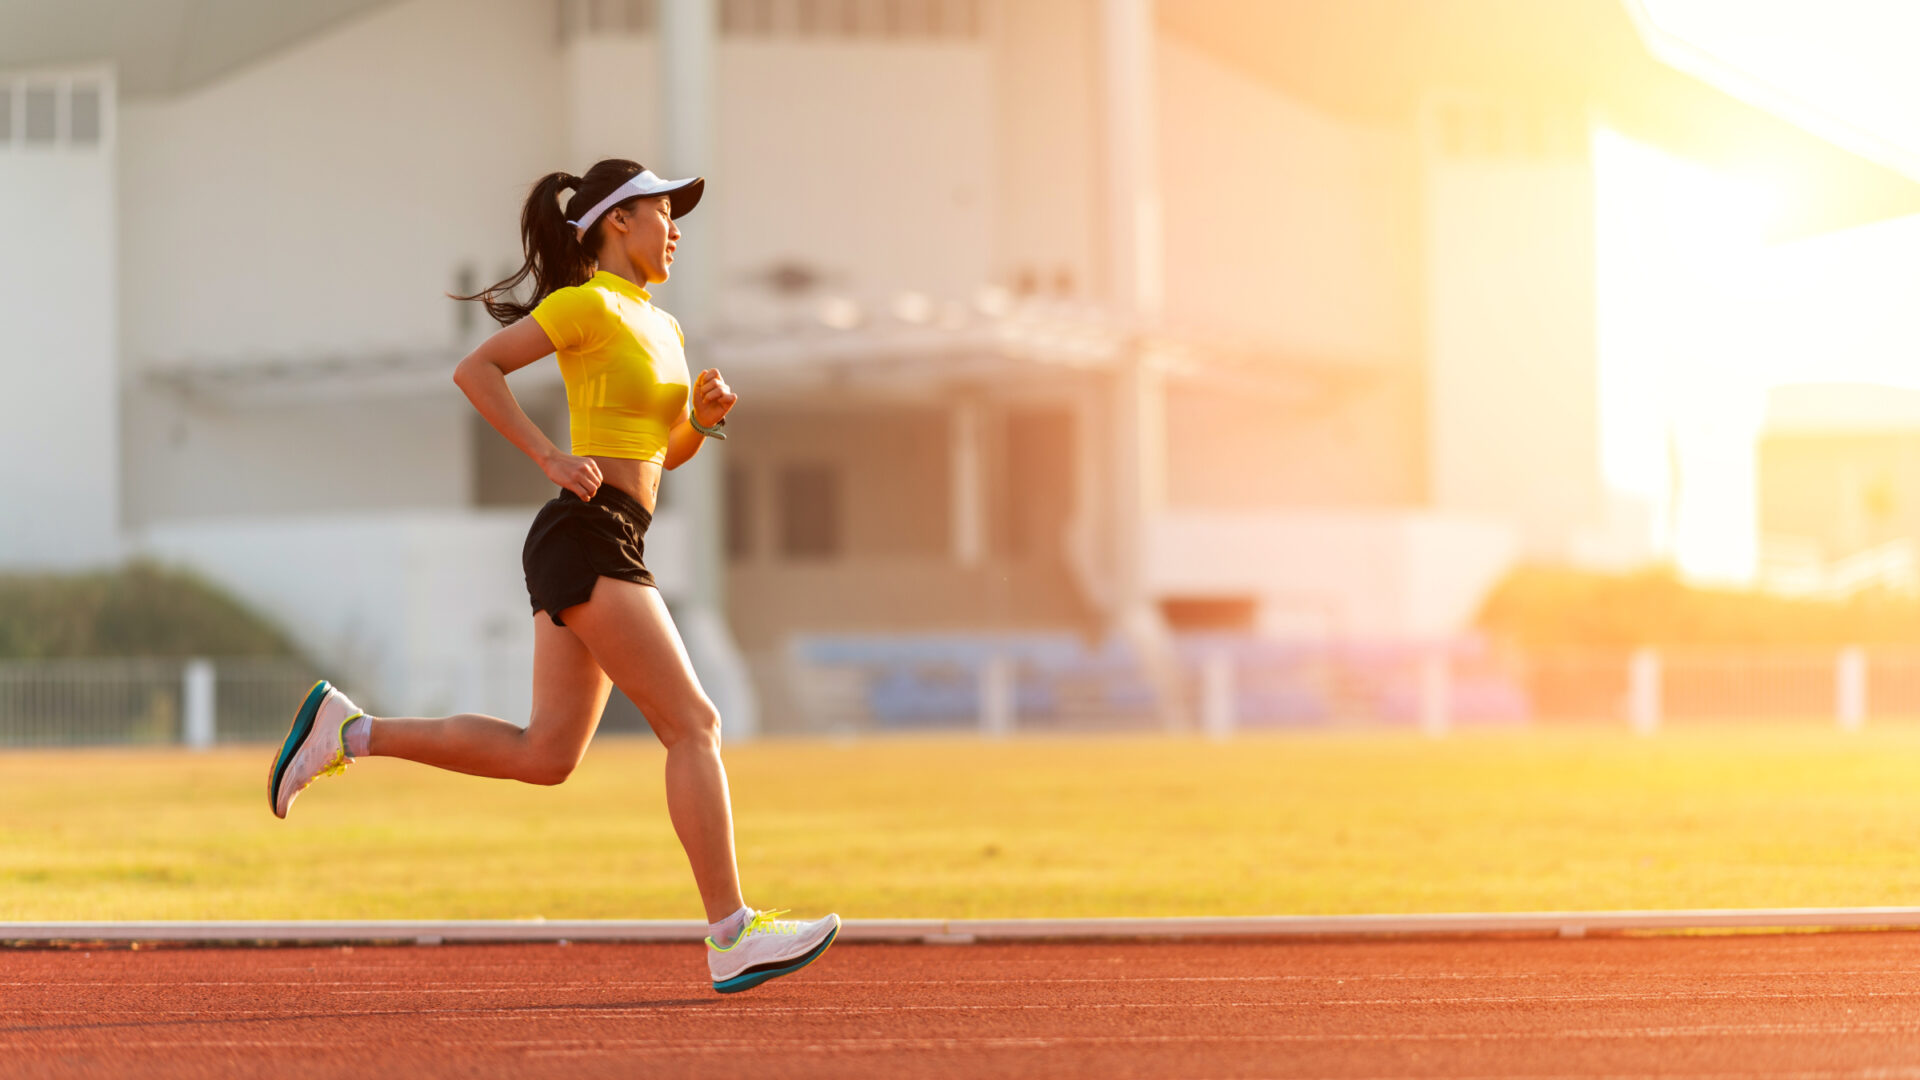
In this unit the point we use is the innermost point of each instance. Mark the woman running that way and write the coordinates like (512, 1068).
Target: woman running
(598, 622)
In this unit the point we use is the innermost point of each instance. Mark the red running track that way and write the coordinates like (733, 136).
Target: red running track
(1801, 1005)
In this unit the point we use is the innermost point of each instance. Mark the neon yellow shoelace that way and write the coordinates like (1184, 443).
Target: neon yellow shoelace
(764, 922)
(768, 922)
(340, 760)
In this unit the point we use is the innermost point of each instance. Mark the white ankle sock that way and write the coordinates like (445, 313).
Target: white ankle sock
(728, 930)
(358, 732)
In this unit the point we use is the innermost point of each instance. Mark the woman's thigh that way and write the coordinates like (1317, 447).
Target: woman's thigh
(630, 633)
(569, 689)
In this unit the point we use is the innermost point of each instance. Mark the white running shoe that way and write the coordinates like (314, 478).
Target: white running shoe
(768, 948)
(315, 747)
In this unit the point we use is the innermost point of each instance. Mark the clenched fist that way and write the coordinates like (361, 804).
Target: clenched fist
(711, 399)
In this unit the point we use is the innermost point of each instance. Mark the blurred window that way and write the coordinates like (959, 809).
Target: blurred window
(42, 113)
(809, 497)
(1035, 489)
(1479, 127)
(502, 475)
(901, 18)
(905, 19)
(746, 18)
(739, 513)
(6, 114)
(83, 114)
(578, 17)
(962, 17)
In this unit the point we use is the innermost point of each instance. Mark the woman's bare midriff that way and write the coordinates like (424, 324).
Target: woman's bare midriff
(640, 479)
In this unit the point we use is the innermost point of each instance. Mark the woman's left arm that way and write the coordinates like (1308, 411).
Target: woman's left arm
(710, 402)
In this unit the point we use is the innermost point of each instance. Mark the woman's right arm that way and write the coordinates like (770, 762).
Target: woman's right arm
(482, 376)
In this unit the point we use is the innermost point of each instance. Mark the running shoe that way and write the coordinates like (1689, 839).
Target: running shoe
(768, 948)
(315, 747)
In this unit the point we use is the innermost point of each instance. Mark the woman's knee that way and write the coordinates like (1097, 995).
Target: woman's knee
(696, 722)
(548, 765)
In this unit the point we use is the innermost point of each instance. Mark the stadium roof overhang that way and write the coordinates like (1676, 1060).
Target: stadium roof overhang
(1029, 346)
(1374, 61)
(162, 46)
(1366, 60)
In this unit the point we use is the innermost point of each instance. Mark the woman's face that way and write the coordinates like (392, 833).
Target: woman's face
(647, 232)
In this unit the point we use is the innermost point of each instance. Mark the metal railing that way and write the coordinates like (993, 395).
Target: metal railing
(1043, 683)
(1231, 684)
(196, 703)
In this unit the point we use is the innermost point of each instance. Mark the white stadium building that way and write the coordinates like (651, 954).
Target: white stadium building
(1049, 317)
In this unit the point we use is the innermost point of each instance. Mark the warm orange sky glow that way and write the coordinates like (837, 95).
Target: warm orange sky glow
(1841, 68)
(1699, 317)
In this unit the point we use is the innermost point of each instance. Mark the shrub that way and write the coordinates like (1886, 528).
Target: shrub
(138, 610)
(1538, 606)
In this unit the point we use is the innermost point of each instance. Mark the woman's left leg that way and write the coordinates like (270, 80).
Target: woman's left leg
(569, 694)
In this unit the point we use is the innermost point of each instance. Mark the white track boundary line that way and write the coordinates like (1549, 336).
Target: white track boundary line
(1568, 924)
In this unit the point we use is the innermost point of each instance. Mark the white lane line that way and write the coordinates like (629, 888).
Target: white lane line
(587, 1008)
(1469, 924)
(1895, 1072)
(611, 1010)
(844, 1045)
(540, 987)
(1874, 1028)
(408, 986)
(533, 1012)
(399, 986)
(1395, 977)
(197, 1044)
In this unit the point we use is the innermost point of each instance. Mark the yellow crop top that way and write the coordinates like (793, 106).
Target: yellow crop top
(625, 365)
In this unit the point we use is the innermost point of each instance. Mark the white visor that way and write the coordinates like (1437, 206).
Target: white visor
(645, 183)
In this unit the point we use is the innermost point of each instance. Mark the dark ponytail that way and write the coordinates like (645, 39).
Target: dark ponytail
(555, 257)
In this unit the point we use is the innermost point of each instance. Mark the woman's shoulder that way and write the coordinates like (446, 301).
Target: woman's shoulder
(577, 301)
(587, 292)
(575, 316)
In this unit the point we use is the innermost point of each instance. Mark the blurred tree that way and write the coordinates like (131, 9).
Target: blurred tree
(138, 610)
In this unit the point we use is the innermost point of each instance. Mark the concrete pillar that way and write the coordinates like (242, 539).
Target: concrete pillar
(197, 705)
(997, 696)
(1133, 279)
(1218, 714)
(1850, 689)
(61, 487)
(969, 489)
(689, 35)
(1138, 454)
(1643, 691)
(1509, 276)
(1132, 172)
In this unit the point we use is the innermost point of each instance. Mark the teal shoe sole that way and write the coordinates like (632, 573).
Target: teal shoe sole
(747, 980)
(297, 734)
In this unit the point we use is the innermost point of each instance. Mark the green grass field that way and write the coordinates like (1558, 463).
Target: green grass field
(956, 827)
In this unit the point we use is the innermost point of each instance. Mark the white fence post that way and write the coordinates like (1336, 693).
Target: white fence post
(196, 700)
(1850, 689)
(1217, 717)
(996, 697)
(1436, 693)
(1643, 691)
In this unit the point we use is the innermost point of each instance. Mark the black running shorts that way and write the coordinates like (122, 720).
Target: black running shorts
(574, 543)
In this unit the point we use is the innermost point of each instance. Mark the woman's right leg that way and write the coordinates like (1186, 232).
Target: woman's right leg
(569, 694)
(631, 632)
